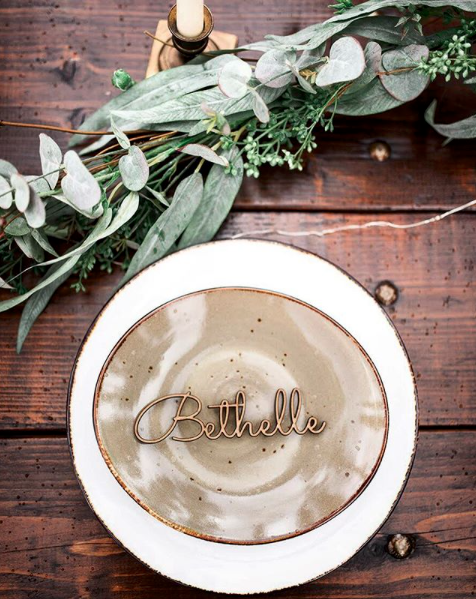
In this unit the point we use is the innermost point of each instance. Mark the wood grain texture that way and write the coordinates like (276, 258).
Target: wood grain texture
(52, 546)
(57, 57)
(432, 267)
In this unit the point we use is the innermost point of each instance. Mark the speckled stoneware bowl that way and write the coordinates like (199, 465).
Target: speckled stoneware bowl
(283, 518)
(248, 489)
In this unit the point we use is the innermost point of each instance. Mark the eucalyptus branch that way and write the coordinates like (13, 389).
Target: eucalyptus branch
(56, 128)
(138, 195)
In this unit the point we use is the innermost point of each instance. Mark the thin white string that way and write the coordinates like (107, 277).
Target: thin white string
(374, 223)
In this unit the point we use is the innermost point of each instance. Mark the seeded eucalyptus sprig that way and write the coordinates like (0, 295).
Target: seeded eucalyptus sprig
(454, 58)
(168, 154)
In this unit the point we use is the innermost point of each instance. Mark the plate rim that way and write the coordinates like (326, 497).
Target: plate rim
(415, 406)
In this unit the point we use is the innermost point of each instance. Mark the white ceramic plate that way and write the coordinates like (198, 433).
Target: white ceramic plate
(245, 568)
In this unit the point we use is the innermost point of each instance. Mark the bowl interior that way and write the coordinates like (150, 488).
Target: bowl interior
(221, 473)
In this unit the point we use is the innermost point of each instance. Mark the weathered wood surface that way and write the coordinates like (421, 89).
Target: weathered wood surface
(56, 60)
(432, 267)
(52, 546)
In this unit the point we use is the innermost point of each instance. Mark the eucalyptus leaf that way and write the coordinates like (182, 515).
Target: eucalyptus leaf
(51, 157)
(464, 129)
(234, 77)
(66, 266)
(383, 29)
(126, 211)
(215, 121)
(373, 62)
(346, 63)
(259, 107)
(121, 137)
(134, 169)
(235, 119)
(295, 39)
(303, 82)
(435, 40)
(261, 46)
(132, 244)
(22, 191)
(80, 188)
(190, 107)
(198, 127)
(204, 152)
(208, 111)
(169, 226)
(6, 196)
(38, 302)
(38, 184)
(17, 227)
(371, 6)
(92, 213)
(310, 38)
(471, 83)
(218, 196)
(35, 214)
(42, 240)
(274, 69)
(314, 35)
(30, 248)
(156, 90)
(310, 58)
(4, 284)
(159, 197)
(370, 99)
(7, 169)
(407, 84)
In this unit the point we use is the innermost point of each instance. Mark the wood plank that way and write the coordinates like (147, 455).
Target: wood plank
(432, 267)
(340, 174)
(52, 546)
(55, 66)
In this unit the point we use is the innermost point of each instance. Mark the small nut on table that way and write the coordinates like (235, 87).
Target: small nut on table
(401, 546)
(386, 293)
(380, 151)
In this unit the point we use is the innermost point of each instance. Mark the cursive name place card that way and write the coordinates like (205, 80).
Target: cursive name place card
(232, 418)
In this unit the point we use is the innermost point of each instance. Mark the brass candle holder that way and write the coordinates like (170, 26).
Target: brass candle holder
(171, 49)
(190, 47)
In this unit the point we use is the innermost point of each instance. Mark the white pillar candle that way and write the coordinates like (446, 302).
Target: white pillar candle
(190, 17)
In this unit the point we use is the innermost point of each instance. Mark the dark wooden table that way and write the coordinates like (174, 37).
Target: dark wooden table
(56, 60)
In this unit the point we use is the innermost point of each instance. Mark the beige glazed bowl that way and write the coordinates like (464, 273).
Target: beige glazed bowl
(240, 486)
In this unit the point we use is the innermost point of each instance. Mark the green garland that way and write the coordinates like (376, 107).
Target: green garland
(169, 153)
